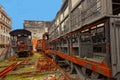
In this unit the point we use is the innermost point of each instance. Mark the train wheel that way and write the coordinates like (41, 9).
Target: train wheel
(54, 58)
(71, 68)
(68, 69)
(79, 72)
(94, 75)
(83, 70)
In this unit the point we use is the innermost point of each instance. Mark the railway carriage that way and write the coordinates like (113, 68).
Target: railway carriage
(86, 35)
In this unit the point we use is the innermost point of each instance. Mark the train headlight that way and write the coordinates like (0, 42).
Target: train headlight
(29, 37)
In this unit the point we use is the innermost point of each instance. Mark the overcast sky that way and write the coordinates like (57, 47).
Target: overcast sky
(20, 10)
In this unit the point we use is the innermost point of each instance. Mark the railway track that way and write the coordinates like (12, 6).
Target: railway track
(14, 68)
(9, 68)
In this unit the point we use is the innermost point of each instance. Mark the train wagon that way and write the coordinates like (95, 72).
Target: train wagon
(86, 35)
(21, 42)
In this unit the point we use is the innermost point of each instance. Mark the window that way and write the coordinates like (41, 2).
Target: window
(1, 27)
(4, 30)
(85, 37)
(98, 38)
(0, 15)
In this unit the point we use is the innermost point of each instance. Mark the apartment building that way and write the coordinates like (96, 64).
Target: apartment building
(5, 27)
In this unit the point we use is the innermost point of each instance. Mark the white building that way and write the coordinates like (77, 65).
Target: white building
(5, 27)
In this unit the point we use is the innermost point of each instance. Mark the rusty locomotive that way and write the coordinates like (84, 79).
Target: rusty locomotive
(21, 42)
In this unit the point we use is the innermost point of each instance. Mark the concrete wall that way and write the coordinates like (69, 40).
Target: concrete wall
(38, 28)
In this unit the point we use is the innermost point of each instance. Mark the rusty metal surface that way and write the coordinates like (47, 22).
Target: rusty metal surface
(97, 67)
(58, 67)
(9, 68)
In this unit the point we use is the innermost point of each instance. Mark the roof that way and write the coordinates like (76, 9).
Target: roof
(20, 32)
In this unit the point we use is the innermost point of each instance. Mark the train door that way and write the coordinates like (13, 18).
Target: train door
(115, 46)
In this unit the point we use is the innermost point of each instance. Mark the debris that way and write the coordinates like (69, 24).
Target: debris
(37, 67)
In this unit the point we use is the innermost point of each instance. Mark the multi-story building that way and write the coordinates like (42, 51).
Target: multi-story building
(38, 28)
(5, 27)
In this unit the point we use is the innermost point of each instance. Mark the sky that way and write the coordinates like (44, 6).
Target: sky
(20, 10)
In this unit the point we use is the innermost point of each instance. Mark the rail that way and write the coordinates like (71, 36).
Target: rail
(9, 68)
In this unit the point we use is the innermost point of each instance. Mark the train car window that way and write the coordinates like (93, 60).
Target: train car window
(93, 34)
(98, 38)
(98, 34)
(99, 30)
(64, 41)
(101, 33)
(85, 36)
(99, 48)
(74, 39)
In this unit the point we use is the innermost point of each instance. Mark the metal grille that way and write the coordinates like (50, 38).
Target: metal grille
(85, 12)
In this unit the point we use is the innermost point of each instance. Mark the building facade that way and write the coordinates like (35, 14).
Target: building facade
(5, 27)
(38, 28)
